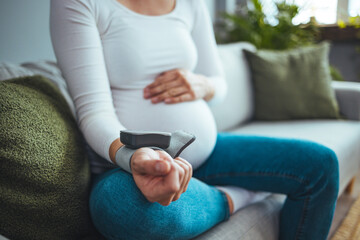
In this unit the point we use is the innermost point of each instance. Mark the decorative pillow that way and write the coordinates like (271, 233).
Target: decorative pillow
(44, 172)
(292, 84)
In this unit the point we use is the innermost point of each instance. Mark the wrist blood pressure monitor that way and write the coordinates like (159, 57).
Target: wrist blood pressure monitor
(172, 143)
(139, 139)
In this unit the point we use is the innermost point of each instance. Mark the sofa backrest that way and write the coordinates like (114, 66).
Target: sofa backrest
(237, 106)
(47, 69)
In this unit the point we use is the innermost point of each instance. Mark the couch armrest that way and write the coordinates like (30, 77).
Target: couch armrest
(348, 97)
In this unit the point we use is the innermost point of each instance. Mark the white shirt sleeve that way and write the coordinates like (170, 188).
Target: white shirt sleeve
(79, 53)
(209, 63)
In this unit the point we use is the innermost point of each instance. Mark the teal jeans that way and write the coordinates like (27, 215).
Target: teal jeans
(306, 172)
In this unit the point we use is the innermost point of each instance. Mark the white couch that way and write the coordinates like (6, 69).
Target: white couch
(258, 221)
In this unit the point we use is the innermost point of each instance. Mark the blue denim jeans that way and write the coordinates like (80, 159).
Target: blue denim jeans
(306, 172)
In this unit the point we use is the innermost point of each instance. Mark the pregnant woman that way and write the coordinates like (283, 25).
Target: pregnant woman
(153, 65)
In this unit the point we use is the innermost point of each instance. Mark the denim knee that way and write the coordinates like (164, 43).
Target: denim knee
(120, 211)
(331, 171)
(111, 201)
(324, 167)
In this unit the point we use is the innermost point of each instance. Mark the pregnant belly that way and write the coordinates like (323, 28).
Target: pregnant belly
(136, 113)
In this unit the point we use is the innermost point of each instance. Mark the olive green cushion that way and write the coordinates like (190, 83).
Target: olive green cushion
(44, 172)
(292, 84)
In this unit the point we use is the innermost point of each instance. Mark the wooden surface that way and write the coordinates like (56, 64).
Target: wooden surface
(336, 34)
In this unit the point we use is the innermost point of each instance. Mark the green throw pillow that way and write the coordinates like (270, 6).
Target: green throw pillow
(292, 84)
(44, 172)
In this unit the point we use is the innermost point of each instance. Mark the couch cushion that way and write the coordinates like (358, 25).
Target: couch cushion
(293, 84)
(11, 70)
(237, 106)
(343, 137)
(257, 221)
(44, 172)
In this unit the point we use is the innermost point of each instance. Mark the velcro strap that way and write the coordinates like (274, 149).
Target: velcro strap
(179, 141)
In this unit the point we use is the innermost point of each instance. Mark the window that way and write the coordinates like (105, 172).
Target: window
(324, 11)
(354, 8)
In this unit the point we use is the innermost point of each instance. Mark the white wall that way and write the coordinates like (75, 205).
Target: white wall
(24, 31)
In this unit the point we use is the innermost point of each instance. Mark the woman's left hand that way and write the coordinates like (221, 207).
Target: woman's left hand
(179, 85)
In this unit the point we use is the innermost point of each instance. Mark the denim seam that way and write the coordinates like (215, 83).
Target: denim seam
(226, 202)
(302, 220)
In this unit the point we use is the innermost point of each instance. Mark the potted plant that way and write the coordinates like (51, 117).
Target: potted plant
(252, 25)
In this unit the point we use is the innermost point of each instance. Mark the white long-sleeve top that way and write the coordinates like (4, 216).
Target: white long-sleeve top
(108, 53)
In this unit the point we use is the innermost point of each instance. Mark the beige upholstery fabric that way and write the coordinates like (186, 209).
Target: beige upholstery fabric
(348, 96)
(257, 221)
(10, 70)
(237, 107)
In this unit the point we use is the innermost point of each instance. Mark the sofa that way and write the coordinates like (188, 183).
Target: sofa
(260, 220)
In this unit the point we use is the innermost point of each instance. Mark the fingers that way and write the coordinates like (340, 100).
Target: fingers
(148, 161)
(169, 75)
(160, 185)
(174, 184)
(182, 98)
(170, 87)
(165, 191)
(161, 88)
(163, 78)
(179, 85)
(168, 94)
(187, 168)
(164, 86)
(160, 83)
(183, 175)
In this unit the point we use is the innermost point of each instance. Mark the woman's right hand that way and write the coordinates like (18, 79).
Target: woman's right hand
(159, 177)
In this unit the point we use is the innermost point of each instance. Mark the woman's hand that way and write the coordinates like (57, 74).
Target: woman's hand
(179, 86)
(159, 177)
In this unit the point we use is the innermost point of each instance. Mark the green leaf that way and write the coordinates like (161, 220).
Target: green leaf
(252, 25)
